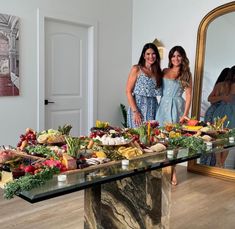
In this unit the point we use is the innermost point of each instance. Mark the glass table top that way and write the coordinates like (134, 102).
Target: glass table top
(114, 170)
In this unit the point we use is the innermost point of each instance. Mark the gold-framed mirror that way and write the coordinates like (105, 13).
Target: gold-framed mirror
(204, 39)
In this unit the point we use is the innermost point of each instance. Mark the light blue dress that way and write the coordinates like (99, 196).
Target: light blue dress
(145, 94)
(219, 110)
(172, 104)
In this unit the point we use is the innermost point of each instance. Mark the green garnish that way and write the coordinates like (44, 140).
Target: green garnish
(194, 144)
(28, 182)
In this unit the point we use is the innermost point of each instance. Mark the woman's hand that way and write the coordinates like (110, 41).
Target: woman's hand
(184, 118)
(137, 118)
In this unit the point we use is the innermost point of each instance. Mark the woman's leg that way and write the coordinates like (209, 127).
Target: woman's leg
(224, 156)
(218, 160)
(173, 176)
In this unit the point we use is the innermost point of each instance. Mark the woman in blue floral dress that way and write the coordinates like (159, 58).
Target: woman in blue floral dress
(143, 87)
(223, 95)
(215, 92)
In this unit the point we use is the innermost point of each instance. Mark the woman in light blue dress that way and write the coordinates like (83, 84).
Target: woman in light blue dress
(177, 80)
(143, 86)
(172, 104)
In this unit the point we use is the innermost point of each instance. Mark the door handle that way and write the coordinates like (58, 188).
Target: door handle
(46, 102)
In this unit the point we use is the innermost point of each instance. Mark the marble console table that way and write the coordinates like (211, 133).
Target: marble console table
(138, 202)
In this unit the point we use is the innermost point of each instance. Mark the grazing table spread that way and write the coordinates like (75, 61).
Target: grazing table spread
(125, 174)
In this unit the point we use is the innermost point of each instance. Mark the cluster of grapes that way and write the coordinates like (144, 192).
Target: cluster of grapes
(94, 134)
(29, 138)
(153, 123)
(136, 137)
(81, 162)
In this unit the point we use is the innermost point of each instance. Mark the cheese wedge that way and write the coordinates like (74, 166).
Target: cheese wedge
(6, 177)
(69, 162)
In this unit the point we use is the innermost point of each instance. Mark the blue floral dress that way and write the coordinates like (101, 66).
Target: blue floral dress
(210, 112)
(145, 94)
(172, 104)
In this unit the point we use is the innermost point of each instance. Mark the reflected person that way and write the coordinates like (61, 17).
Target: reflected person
(222, 99)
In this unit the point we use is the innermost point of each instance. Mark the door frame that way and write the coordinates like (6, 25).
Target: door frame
(91, 25)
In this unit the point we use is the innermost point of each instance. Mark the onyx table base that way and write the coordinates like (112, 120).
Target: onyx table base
(138, 202)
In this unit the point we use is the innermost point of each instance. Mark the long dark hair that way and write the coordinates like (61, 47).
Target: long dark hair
(156, 68)
(230, 79)
(185, 73)
(223, 75)
(231, 75)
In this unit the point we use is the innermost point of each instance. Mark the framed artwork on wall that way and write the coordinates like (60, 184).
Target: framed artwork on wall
(9, 55)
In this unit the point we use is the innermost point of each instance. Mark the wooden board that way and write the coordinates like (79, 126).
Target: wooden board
(107, 164)
(25, 155)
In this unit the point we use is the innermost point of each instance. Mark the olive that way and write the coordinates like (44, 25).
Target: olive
(6, 168)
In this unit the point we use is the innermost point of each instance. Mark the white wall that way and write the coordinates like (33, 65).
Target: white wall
(114, 19)
(172, 22)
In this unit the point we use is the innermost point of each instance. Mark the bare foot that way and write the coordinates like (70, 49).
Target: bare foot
(219, 165)
(174, 179)
(174, 182)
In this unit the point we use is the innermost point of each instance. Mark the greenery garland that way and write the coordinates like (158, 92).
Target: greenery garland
(28, 182)
(194, 144)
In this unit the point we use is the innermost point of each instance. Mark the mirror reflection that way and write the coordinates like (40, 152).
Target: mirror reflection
(219, 54)
(218, 82)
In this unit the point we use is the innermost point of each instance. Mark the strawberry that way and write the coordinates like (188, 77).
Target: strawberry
(29, 169)
(192, 122)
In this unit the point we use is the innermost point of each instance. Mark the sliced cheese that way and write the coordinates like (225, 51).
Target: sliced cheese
(6, 177)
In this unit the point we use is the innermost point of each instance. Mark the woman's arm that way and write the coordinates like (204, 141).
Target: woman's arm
(216, 97)
(232, 91)
(188, 97)
(129, 90)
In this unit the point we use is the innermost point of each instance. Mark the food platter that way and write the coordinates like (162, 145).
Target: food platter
(209, 132)
(120, 144)
(187, 130)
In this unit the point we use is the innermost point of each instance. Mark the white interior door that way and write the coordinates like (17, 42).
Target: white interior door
(66, 75)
